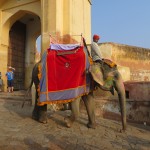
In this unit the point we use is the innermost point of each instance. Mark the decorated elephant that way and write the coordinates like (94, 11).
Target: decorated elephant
(40, 112)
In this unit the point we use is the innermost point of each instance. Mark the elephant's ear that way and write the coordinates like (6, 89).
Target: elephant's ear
(96, 73)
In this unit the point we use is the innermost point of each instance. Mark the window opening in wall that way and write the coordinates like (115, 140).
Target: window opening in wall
(127, 94)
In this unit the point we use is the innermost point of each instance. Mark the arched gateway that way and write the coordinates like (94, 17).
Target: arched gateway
(21, 22)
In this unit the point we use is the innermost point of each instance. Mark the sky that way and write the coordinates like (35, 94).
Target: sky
(122, 21)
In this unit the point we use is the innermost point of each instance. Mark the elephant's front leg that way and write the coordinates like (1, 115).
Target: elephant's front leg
(74, 112)
(39, 112)
(119, 86)
(90, 107)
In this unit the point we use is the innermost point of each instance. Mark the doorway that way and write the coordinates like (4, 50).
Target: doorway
(16, 53)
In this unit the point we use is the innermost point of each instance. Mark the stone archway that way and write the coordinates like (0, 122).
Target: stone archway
(22, 35)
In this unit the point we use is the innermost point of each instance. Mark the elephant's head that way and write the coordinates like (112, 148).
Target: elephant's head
(117, 83)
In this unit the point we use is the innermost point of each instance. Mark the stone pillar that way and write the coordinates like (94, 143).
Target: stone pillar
(4, 53)
(67, 17)
(51, 20)
(3, 64)
(77, 19)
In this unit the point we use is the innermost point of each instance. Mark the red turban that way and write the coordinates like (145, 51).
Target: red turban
(96, 37)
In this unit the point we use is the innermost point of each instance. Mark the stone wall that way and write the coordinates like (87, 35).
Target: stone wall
(136, 59)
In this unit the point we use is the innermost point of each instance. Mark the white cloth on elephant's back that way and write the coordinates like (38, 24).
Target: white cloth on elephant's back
(96, 72)
(64, 46)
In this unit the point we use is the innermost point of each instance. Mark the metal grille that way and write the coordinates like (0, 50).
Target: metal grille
(16, 53)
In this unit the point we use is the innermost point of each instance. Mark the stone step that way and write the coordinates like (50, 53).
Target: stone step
(16, 95)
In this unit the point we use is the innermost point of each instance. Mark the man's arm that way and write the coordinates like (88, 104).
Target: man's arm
(12, 68)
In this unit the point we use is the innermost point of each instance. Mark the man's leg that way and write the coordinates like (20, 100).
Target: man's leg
(12, 86)
(9, 86)
(9, 89)
(12, 89)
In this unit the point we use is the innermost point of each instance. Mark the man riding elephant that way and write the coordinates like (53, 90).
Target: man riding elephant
(97, 58)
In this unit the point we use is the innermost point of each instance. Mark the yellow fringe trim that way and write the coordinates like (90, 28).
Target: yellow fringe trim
(39, 69)
(39, 77)
(38, 90)
(54, 102)
(90, 60)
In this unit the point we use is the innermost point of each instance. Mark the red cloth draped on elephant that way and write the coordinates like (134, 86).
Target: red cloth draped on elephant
(63, 74)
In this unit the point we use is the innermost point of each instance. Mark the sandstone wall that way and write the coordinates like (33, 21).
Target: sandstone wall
(136, 59)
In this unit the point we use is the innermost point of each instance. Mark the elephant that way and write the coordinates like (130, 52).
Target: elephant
(40, 112)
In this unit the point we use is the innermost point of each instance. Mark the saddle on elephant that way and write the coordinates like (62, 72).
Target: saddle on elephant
(63, 74)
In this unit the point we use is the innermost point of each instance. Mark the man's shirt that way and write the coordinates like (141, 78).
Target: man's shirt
(95, 52)
(10, 75)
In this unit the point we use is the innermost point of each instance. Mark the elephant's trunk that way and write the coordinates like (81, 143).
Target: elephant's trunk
(122, 101)
(119, 86)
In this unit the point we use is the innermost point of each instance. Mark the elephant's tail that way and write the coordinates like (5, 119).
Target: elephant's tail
(27, 93)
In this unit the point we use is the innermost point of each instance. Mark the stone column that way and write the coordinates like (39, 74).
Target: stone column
(77, 19)
(51, 20)
(4, 53)
(67, 17)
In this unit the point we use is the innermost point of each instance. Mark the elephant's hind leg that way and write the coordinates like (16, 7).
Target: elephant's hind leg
(74, 113)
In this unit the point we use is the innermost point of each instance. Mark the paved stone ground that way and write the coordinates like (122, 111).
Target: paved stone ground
(19, 132)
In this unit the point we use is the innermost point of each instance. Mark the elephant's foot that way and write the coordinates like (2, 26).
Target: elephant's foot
(35, 118)
(122, 130)
(43, 117)
(92, 126)
(35, 115)
(68, 121)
